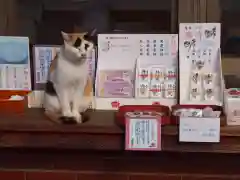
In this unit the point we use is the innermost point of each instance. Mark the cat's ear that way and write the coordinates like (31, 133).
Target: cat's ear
(93, 32)
(65, 36)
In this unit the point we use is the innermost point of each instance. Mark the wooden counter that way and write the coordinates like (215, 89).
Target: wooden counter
(34, 130)
(34, 148)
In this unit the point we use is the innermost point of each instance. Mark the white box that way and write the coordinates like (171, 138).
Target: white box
(232, 106)
(193, 129)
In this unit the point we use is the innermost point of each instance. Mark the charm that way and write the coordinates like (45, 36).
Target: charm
(196, 77)
(170, 89)
(208, 78)
(143, 90)
(157, 90)
(144, 74)
(171, 73)
(200, 64)
(157, 74)
(209, 94)
(195, 94)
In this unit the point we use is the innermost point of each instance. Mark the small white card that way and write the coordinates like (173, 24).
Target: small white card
(192, 129)
(143, 134)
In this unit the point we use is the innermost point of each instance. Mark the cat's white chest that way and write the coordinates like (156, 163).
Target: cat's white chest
(71, 74)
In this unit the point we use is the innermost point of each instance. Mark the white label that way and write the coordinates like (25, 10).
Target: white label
(43, 58)
(45, 54)
(15, 77)
(14, 63)
(199, 129)
(143, 134)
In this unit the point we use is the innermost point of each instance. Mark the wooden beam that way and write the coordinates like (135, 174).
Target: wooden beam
(3, 17)
(213, 11)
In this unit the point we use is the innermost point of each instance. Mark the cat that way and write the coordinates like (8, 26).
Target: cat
(67, 79)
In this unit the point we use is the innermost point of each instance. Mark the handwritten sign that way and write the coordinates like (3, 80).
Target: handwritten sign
(199, 129)
(199, 53)
(143, 134)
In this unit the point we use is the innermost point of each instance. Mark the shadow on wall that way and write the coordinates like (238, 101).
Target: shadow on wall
(232, 81)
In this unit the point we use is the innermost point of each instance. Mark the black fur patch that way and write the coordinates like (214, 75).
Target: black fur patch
(50, 88)
(90, 38)
(68, 120)
(77, 42)
(86, 46)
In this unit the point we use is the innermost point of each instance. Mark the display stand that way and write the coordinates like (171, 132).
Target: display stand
(15, 74)
(200, 74)
(129, 54)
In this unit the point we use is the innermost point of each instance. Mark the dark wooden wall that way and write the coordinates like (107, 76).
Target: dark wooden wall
(82, 165)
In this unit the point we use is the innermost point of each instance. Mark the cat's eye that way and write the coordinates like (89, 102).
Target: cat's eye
(86, 37)
(86, 46)
(77, 42)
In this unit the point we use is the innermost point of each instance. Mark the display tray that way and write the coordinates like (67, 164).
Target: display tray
(34, 130)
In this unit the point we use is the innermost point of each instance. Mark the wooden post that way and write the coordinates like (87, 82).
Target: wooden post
(190, 11)
(12, 17)
(3, 17)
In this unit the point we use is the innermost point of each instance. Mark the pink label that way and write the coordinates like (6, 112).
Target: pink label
(118, 89)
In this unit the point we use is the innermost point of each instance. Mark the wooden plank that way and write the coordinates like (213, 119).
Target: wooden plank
(213, 11)
(34, 130)
(3, 16)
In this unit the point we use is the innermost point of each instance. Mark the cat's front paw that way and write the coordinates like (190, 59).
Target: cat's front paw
(68, 120)
(77, 116)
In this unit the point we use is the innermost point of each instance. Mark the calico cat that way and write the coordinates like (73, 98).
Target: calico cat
(68, 76)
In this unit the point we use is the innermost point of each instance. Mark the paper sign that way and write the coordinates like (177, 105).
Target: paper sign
(143, 134)
(15, 71)
(199, 129)
(199, 47)
(43, 56)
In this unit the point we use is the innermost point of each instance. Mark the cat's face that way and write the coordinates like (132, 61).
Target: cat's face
(76, 47)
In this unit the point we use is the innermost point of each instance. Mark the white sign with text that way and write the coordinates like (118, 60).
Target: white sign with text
(193, 129)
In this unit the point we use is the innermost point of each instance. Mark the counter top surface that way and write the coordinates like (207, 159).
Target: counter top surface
(34, 130)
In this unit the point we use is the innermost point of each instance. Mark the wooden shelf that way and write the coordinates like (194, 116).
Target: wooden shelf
(33, 130)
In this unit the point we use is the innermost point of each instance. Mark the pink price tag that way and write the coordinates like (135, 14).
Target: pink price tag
(143, 134)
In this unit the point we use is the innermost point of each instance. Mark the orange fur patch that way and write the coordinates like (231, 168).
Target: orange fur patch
(74, 36)
(53, 63)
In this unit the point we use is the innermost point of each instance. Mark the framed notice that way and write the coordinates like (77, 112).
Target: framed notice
(143, 134)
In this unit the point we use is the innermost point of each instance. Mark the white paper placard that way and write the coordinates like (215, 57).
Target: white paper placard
(126, 54)
(199, 43)
(143, 134)
(192, 129)
(43, 56)
(15, 71)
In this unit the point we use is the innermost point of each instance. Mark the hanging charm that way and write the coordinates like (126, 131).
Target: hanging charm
(195, 93)
(170, 89)
(209, 94)
(200, 64)
(157, 90)
(196, 77)
(157, 74)
(208, 78)
(143, 90)
(144, 74)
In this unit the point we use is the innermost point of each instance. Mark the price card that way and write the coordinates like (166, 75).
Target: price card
(143, 134)
(199, 129)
